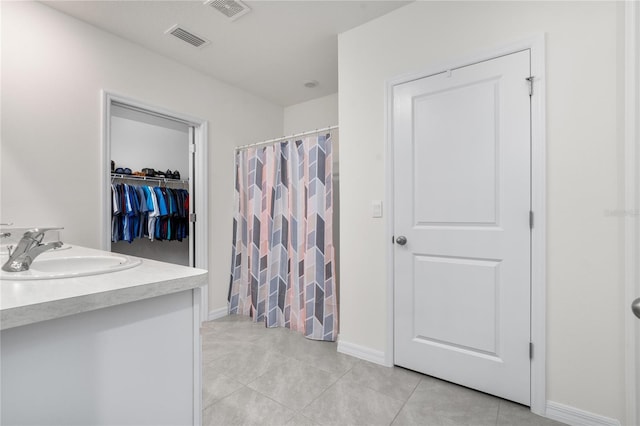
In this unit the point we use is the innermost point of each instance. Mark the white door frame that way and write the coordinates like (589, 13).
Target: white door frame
(200, 192)
(632, 205)
(536, 45)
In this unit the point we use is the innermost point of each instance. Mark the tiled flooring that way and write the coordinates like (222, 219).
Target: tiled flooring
(258, 376)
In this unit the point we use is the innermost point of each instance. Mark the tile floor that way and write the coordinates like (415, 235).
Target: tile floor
(258, 376)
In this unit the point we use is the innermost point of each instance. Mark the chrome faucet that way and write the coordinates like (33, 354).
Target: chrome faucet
(5, 234)
(29, 247)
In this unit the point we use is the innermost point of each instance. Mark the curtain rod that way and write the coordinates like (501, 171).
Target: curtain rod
(272, 141)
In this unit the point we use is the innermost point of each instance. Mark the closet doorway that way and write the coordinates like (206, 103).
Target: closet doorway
(150, 150)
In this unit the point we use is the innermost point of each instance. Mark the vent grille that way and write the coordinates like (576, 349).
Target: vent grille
(187, 36)
(232, 9)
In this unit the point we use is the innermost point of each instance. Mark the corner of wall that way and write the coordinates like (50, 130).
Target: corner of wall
(217, 313)
(362, 352)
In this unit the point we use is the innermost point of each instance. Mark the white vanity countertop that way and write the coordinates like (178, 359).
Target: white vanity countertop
(29, 301)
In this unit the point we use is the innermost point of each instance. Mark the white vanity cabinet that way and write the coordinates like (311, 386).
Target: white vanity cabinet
(118, 348)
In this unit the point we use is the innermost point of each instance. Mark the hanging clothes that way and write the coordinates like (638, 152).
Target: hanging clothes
(157, 213)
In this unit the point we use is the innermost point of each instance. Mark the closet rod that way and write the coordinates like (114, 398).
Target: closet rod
(148, 178)
(272, 141)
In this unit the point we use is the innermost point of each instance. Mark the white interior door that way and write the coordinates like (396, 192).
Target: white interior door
(461, 202)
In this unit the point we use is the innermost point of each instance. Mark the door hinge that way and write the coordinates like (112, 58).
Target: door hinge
(530, 350)
(192, 217)
(530, 219)
(393, 239)
(530, 80)
(192, 148)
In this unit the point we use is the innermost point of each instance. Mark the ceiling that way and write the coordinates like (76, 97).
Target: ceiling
(270, 51)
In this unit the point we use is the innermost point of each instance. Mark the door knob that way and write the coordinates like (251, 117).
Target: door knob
(402, 240)
(635, 307)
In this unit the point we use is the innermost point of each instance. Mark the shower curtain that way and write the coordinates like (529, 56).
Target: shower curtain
(283, 266)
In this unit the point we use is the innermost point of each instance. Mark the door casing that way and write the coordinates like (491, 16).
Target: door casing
(632, 206)
(199, 190)
(536, 46)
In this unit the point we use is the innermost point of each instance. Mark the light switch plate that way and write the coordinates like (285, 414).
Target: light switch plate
(376, 208)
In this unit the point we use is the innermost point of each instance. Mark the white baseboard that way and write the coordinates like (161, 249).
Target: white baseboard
(361, 352)
(576, 417)
(218, 313)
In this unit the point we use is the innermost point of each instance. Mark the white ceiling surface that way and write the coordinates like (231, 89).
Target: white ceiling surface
(271, 51)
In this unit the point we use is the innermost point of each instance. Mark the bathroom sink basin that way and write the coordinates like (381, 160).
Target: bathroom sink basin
(72, 266)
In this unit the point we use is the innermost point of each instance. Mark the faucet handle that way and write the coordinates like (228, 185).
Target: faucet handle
(36, 233)
(39, 230)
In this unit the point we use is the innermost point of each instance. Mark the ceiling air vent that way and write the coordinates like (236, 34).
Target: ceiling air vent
(232, 9)
(187, 36)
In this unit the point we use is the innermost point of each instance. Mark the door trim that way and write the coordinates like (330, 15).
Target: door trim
(632, 204)
(200, 192)
(536, 45)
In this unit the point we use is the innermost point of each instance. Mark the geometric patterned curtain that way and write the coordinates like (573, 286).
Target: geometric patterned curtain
(283, 262)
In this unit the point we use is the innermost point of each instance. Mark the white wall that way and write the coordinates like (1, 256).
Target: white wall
(53, 69)
(585, 345)
(138, 144)
(311, 115)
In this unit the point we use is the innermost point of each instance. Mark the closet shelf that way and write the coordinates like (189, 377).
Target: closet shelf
(148, 178)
